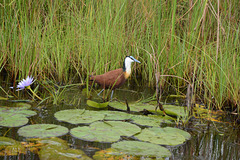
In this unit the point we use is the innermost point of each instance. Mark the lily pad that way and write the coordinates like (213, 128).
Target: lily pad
(12, 120)
(111, 153)
(165, 136)
(136, 107)
(136, 148)
(42, 130)
(5, 141)
(78, 116)
(18, 110)
(53, 152)
(10, 147)
(57, 148)
(153, 121)
(23, 105)
(176, 111)
(115, 115)
(97, 105)
(60, 143)
(109, 131)
(14, 116)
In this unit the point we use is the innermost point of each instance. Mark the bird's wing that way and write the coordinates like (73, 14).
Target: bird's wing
(109, 78)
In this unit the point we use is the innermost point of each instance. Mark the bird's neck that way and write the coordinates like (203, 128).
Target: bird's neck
(127, 69)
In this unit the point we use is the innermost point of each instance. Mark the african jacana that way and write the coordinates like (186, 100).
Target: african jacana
(116, 78)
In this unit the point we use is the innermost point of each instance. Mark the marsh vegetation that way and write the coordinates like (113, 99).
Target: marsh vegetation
(188, 50)
(180, 42)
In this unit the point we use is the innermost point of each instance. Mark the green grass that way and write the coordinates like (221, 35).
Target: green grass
(66, 41)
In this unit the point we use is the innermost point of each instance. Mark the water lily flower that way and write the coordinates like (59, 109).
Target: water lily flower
(24, 83)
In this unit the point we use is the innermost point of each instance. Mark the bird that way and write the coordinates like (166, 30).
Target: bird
(115, 78)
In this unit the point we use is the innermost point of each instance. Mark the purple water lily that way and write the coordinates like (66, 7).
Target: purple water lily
(25, 83)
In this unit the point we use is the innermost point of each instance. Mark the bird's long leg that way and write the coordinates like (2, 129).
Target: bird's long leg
(100, 92)
(112, 94)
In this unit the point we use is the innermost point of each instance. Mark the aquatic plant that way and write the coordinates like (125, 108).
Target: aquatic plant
(193, 43)
(25, 83)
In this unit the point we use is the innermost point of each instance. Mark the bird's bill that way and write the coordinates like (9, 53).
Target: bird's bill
(136, 60)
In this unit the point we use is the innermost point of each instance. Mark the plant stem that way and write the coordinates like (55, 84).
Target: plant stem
(34, 94)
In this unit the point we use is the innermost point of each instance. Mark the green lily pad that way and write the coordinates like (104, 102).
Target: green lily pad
(135, 107)
(115, 115)
(78, 116)
(53, 152)
(136, 148)
(14, 116)
(10, 147)
(176, 111)
(111, 153)
(97, 105)
(42, 130)
(60, 143)
(23, 105)
(165, 136)
(151, 120)
(5, 141)
(109, 131)
(57, 148)
(18, 110)
(12, 120)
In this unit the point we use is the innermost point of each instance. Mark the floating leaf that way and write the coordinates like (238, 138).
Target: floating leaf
(136, 148)
(42, 130)
(123, 128)
(185, 134)
(165, 136)
(35, 144)
(109, 131)
(23, 105)
(97, 105)
(149, 120)
(133, 150)
(10, 147)
(14, 116)
(176, 111)
(136, 107)
(5, 141)
(53, 152)
(115, 115)
(12, 120)
(78, 116)
(111, 154)
(60, 143)
(17, 110)
(57, 148)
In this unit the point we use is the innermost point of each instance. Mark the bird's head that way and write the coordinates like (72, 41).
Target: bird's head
(130, 59)
(127, 64)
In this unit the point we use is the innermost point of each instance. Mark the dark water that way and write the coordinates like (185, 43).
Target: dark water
(209, 140)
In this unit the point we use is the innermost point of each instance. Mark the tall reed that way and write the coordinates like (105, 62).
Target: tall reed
(66, 41)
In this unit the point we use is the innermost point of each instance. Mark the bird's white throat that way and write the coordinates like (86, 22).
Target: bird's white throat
(128, 62)
(127, 66)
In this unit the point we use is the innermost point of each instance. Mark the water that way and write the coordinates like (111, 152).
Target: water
(209, 140)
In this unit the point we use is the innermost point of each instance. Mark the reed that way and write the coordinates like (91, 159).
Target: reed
(194, 42)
